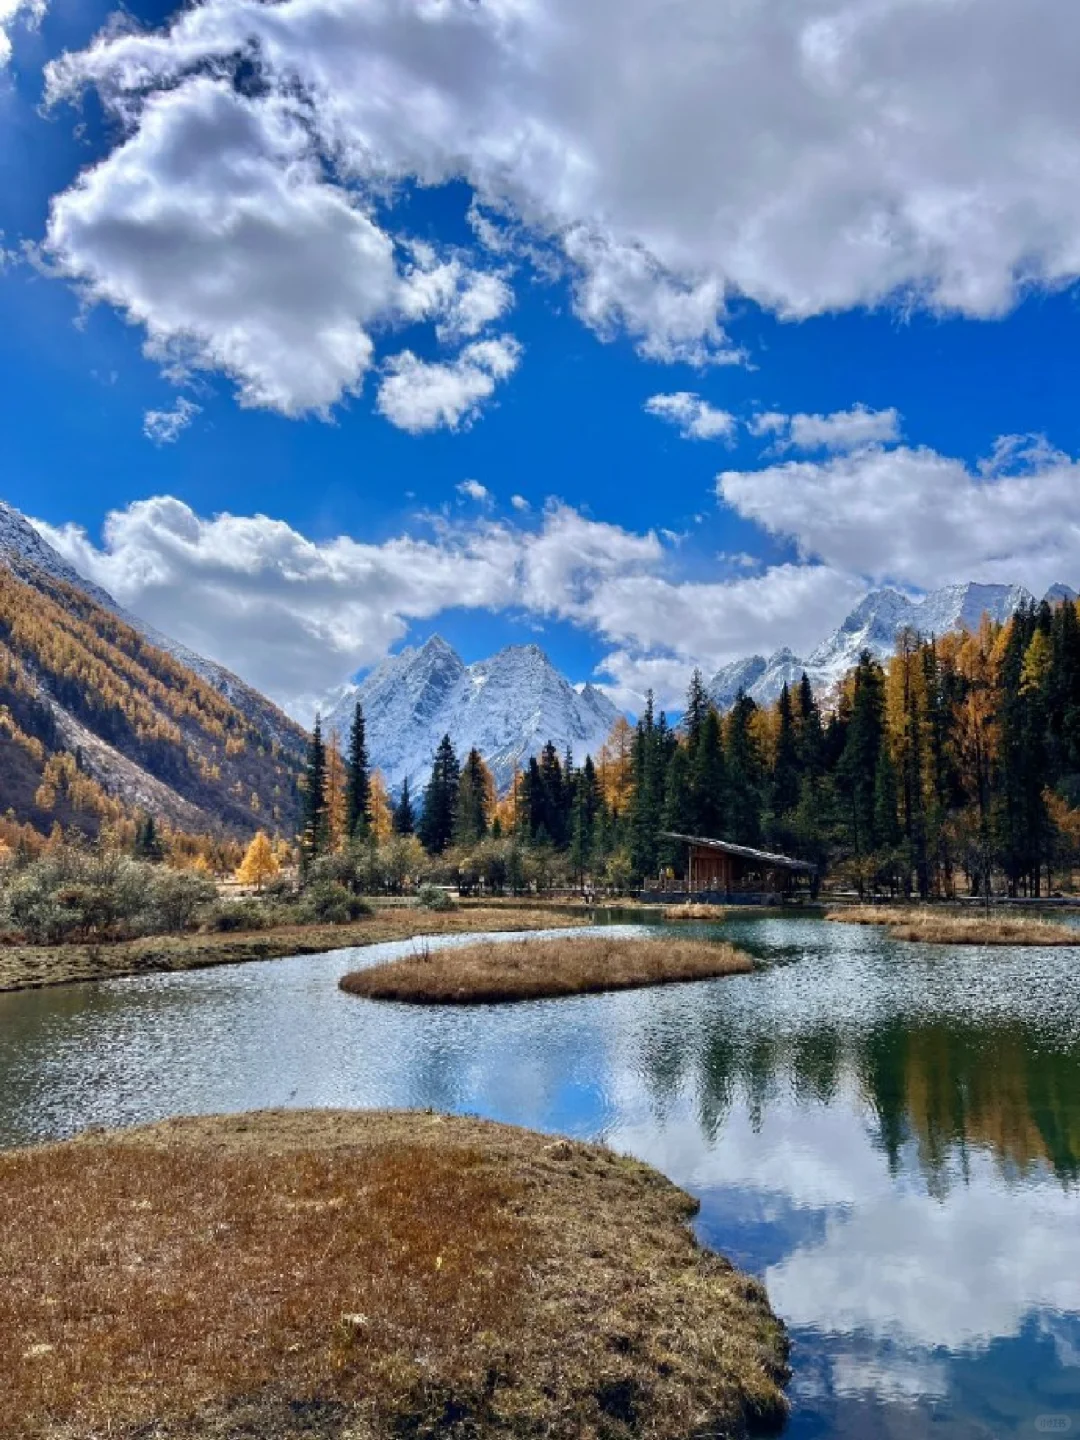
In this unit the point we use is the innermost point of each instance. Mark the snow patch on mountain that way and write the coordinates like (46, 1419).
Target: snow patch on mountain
(507, 707)
(873, 625)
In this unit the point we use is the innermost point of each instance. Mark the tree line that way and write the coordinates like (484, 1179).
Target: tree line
(952, 767)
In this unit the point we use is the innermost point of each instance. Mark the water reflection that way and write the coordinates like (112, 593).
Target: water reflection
(889, 1135)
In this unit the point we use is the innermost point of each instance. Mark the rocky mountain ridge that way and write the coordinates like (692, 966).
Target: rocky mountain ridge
(872, 625)
(507, 706)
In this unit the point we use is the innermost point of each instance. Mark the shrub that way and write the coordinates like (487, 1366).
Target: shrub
(433, 897)
(175, 898)
(76, 894)
(332, 904)
(239, 915)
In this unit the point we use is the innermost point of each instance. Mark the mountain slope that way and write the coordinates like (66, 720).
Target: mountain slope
(508, 707)
(873, 626)
(28, 554)
(96, 722)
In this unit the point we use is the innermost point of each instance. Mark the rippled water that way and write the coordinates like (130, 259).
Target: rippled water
(888, 1134)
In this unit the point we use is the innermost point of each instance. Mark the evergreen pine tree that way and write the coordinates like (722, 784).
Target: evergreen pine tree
(470, 821)
(440, 799)
(315, 837)
(708, 782)
(358, 778)
(742, 764)
(697, 707)
(404, 816)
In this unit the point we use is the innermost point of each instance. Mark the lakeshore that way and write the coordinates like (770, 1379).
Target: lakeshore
(32, 967)
(225, 1275)
(488, 973)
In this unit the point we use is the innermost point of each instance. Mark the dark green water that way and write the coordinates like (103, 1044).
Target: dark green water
(889, 1135)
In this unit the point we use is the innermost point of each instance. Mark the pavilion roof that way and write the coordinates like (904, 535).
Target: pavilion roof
(745, 852)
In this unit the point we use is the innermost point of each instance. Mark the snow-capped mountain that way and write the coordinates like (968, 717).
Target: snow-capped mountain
(508, 707)
(23, 550)
(873, 626)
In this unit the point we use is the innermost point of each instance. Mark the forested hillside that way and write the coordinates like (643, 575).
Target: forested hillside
(97, 725)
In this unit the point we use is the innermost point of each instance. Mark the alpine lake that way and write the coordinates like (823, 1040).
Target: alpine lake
(887, 1134)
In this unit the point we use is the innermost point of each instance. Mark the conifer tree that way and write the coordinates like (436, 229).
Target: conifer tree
(440, 799)
(708, 782)
(697, 707)
(471, 819)
(316, 832)
(358, 781)
(742, 764)
(259, 863)
(404, 816)
(647, 800)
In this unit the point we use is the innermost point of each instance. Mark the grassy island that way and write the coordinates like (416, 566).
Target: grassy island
(488, 973)
(29, 967)
(944, 928)
(367, 1275)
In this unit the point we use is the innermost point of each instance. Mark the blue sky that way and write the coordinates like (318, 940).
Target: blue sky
(321, 324)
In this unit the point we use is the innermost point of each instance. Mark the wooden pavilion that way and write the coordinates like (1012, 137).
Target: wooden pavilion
(720, 870)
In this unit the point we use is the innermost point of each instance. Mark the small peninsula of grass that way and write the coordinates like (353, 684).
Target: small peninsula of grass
(367, 1275)
(488, 973)
(933, 928)
(30, 967)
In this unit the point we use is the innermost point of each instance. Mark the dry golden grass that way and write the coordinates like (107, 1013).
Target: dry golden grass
(487, 973)
(30, 967)
(367, 1275)
(939, 928)
(690, 910)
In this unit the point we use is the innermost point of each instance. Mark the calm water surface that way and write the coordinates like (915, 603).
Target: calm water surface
(888, 1135)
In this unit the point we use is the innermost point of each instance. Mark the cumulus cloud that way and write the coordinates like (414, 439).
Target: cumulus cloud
(473, 490)
(11, 11)
(520, 503)
(812, 156)
(418, 395)
(852, 429)
(294, 617)
(918, 518)
(164, 427)
(695, 417)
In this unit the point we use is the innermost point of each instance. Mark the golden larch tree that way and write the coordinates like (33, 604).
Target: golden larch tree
(259, 864)
(336, 807)
(615, 766)
(379, 808)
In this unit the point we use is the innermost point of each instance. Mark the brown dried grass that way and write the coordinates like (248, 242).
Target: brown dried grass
(489, 973)
(31, 967)
(365, 1275)
(934, 928)
(692, 910)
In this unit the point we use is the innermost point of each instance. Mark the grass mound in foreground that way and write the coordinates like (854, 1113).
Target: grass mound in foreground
(487, 972)
(933, 928)
(369, 1274)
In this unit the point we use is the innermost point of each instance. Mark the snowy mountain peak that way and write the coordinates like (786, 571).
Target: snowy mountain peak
(872, 625)
(507, 706)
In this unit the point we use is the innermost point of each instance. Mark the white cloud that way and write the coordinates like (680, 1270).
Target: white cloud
(473, 490)
(915, 517)
(295, 618)
(29, 12)
(852, 429)
(695, 417)
(164, 427)
(814, 155)
(520, 503)
(418, 395)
